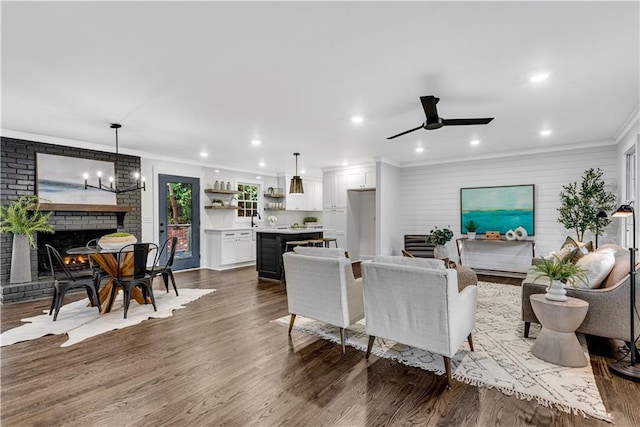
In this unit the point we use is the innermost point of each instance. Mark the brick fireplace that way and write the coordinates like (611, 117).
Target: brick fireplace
(19, 178)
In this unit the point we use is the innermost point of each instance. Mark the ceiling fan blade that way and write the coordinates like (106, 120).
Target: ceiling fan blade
(462, 122)
(429, 107)
(405, 132)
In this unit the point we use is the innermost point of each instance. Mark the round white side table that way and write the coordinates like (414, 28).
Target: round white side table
(557, 342)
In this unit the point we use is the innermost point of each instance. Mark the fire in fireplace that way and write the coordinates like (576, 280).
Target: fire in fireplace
(63, 241)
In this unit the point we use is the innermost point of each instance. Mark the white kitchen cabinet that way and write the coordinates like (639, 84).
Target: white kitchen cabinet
(334, 190)
(361, 178)
(228, 247)
(311, 200)
(335, 225)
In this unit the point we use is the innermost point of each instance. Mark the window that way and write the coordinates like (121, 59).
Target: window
(247, 200)
(630, 195)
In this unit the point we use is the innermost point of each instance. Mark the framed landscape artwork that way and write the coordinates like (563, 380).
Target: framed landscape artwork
(498, 208)
(59, 179)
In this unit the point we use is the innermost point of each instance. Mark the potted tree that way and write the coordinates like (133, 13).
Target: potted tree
(558, 272)
(440, 237)
(471, 227)
(23, 219)
(580, 204)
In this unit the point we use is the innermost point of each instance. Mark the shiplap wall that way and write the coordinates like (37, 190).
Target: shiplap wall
(430, 195)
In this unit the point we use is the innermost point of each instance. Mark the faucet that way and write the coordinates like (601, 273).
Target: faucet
(259, 217)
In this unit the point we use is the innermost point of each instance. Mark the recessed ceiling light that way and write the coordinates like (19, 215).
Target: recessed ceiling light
(256, 142)
(536, 78)
(474, 142)
(302, 171)
(345, 164)
(419, 149)
(357, 119)
(217, 170)
(258, 177)
(262, 164)
(204, 154)
(546, 132)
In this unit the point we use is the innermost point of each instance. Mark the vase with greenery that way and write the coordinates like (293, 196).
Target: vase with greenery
(440, 236)
(558, 272)
(580, 204)
(471, 227)
(23, 219)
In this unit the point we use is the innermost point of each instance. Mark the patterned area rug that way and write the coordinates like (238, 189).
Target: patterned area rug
(80, 322)
(502, 358)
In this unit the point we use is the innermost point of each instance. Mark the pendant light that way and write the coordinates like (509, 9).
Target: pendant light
(113, 181)
(296, 181)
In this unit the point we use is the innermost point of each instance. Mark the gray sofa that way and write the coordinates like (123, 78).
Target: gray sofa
(608, 314)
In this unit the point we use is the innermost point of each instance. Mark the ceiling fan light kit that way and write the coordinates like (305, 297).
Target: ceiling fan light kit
(433, 121)
(296, 181)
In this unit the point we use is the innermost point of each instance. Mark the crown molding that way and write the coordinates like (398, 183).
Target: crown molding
(568, 147)
(68, 142)
(633, 118)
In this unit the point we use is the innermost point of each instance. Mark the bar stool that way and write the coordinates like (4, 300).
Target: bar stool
(328, 240)
(293, 243)
(288, 247)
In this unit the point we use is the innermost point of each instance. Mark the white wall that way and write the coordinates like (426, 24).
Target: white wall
(430, 195)
(389, 239)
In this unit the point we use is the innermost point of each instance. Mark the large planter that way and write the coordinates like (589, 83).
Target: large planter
(20, 260)
(556, 291)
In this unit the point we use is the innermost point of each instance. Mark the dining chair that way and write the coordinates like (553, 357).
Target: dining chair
(98, 272)
(64, 279)
(139, 276)
(166, 270)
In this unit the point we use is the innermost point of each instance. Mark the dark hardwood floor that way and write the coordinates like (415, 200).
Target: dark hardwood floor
(221, 362)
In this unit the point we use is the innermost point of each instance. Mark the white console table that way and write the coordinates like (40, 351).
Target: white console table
(496, 256)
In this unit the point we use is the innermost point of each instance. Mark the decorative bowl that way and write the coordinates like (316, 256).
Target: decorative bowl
(116, 241)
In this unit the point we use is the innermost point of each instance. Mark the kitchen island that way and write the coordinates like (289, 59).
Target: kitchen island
(271, 244)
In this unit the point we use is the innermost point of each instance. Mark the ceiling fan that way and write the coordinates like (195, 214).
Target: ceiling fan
(435, 122)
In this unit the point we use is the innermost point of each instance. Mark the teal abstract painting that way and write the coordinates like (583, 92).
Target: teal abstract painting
(498, 208)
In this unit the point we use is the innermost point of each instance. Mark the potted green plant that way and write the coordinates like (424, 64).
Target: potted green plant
(23, 219)
(216, 202)
(558, 272)
(440, 237)
(471, 227)
(579, 205)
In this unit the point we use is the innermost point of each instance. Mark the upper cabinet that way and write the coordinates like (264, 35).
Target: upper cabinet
(334, 187)
(311, 200)
(361, 178)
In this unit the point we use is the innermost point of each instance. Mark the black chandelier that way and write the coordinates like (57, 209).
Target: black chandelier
(113, 181)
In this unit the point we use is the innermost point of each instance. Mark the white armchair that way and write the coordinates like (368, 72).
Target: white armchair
(321, 286)
(415, 302)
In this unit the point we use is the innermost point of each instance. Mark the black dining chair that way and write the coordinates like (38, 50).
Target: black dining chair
(141, 277)
(98, 272)
(64, 279)
(166, 270)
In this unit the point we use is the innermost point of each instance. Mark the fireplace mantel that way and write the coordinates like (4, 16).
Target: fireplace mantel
(65, 207)
(120, 211)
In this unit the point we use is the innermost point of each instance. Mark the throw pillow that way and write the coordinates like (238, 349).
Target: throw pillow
(596, 267)
(620, 268)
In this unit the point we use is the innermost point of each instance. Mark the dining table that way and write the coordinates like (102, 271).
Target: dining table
(107, 259)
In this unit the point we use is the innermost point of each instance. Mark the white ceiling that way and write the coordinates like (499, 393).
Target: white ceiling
(187, 77)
